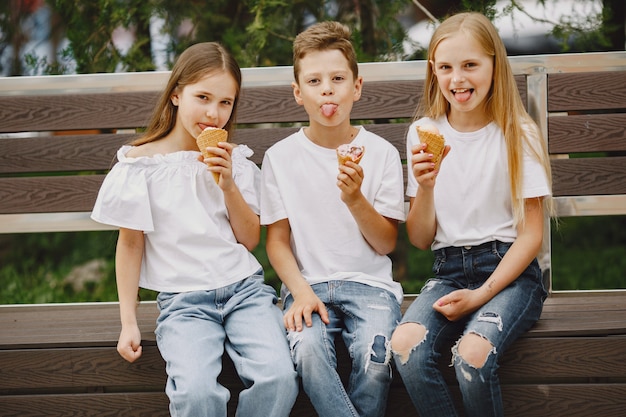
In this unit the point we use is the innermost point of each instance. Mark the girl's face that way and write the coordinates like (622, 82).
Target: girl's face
(326, 87)
(206, 103)
(464, 73)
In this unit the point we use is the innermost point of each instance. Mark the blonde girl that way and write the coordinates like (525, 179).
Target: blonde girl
(482, 214)
(189, 238)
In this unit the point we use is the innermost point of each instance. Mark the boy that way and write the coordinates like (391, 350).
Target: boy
(330, 228)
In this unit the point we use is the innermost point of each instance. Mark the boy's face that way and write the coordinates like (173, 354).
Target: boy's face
(326, 87)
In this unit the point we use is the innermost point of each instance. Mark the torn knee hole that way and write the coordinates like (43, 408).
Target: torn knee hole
(406, 338)
(474, 349)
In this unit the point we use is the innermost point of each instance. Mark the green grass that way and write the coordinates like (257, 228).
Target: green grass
(588, 253)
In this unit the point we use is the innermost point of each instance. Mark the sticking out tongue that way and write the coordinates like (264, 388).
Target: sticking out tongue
(463, 96)
(329, 109)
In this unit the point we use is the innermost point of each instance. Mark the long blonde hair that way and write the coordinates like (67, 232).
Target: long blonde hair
(504, 105)
(194, 63)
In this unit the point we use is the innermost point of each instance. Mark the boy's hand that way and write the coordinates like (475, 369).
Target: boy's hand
(303, 307)
(349, 181)
(458, 304)
(129, 343)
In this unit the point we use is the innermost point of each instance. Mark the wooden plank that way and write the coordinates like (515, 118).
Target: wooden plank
(75, 111)
(587, 133)
(528, 361)
(51, 153)
(589, 176)
(49, 194)
(584, 91)
(563, 400)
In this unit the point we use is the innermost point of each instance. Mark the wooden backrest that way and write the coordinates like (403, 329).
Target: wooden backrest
(60, 133)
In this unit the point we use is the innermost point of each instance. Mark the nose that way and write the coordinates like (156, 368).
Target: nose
(457, 76)
(327, 89)
(211, 110)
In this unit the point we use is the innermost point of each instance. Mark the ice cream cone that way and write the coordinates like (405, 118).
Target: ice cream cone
(210, 137)
(349, 152)
(434, 141)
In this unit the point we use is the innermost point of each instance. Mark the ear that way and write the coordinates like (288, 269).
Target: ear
(432, 66)
(297, 94)
(175, 97)
(358, 88)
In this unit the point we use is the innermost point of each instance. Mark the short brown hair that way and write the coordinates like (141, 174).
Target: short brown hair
(324, 36)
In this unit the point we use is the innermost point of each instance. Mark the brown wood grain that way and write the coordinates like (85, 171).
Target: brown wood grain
(589, 176)
(584, 91)
(587, 133)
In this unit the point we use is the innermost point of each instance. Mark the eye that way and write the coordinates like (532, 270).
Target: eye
(313, 81)
(339, 78)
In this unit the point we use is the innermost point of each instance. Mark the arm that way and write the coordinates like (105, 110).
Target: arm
(128, 256)
(305, 302)
(525, 248)
(421, 222)
(244, 222)
(379, 231)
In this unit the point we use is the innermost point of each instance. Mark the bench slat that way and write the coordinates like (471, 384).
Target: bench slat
(576, 400)
(587, 133)
(69, 153)
(580, 91)
(49, 194)
(589, 176)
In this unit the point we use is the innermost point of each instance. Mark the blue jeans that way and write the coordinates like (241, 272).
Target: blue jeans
(192, 331)
(364, 316)
(502, 320)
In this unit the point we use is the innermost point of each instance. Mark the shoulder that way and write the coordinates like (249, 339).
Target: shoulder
(284, 145)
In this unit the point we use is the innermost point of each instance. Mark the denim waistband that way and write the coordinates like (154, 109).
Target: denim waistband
(460, 250)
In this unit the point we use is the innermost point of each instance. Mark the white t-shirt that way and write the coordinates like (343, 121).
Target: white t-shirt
(174, 200)
(299, 183)
(472, 191)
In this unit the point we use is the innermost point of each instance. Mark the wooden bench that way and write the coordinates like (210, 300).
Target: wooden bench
(61, 137)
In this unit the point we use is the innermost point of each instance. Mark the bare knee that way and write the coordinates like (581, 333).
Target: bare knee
(405, 338)
(474, 349)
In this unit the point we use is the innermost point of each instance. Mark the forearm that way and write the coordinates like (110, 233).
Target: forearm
(421, 222)
(521, 253)
(379, 231)
(128, 257)
(244, 222)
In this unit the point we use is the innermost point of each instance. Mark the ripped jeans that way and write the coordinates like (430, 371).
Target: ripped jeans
(500, 321)
(364, 316)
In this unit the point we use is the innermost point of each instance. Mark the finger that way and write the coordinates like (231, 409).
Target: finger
(324, 314)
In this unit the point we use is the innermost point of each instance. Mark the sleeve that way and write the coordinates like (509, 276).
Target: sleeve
(123, 200)
(411, 140)
(390, 199)
(272, 207)
(247, 176)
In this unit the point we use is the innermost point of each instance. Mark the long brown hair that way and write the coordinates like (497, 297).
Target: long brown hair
(504, 105)
(194, 63)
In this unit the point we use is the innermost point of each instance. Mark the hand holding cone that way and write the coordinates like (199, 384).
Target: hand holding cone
(210, 137)
(434, 141)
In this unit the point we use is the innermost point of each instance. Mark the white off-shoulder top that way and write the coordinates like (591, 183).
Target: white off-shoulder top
(174, 200)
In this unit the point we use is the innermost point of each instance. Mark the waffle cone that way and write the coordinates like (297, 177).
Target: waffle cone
(210, 137)
(342, 158)
(435, 144)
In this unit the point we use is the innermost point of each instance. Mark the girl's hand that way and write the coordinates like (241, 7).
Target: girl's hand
(221, 162)
(349, 181)
(423, 165)
(129, 343)
(458, 304)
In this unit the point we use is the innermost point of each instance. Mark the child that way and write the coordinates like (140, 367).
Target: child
(483, 216)
(330, 228)
(189, 238)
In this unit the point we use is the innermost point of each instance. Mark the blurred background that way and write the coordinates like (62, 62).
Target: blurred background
(50, 37)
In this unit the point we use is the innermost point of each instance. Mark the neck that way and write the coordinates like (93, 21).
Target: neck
(330, 137)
